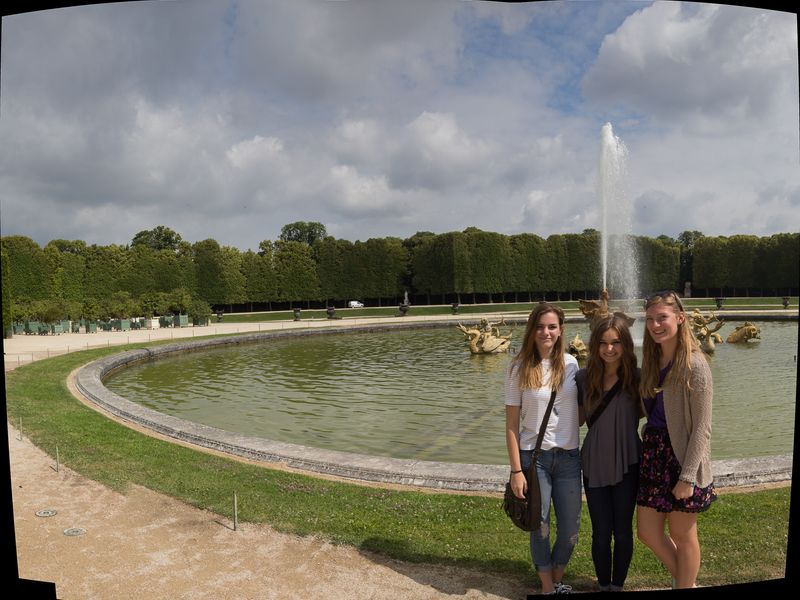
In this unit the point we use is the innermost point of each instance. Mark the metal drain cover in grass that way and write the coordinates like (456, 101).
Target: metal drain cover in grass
(47, 512)
(74, 531)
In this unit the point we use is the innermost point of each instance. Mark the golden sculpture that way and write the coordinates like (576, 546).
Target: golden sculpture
(486, 338)
(596, 310)
(577, 348)
(744, 333)
(707, 337)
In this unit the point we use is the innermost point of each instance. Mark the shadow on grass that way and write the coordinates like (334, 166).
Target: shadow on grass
(455, 577)
(504, 578)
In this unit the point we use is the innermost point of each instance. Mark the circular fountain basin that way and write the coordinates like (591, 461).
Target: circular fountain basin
(400, 405)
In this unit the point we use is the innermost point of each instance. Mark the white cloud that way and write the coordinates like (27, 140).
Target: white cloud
(434, 152)
(717, 68)
(254, 153)
(567, 209)
(357, 141)
(311, 51)
(229, 119)
(359, 196)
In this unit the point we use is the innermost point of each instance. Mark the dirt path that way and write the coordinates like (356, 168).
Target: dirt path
(147, 545)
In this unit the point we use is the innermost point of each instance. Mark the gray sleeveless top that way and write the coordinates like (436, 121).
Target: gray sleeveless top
(612, 443)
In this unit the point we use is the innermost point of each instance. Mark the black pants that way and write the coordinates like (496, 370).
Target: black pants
(611, 510)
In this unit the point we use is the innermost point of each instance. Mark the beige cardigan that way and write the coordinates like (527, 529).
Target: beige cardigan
(688, 416)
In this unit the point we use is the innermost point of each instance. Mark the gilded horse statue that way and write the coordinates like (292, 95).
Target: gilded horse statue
(744, 333)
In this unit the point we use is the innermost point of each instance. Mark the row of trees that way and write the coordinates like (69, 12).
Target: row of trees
(746, 263)
(307, 265)
(477, 262)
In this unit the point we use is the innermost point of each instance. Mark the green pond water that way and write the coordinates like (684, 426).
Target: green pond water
(420, 394)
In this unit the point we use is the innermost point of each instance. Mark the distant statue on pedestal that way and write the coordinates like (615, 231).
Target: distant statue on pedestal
(687, 290)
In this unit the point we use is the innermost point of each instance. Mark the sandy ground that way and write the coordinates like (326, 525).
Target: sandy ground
(147, 545)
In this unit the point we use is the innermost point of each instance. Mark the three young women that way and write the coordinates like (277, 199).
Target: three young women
(542, 366)
(608, 394)
(675, 472)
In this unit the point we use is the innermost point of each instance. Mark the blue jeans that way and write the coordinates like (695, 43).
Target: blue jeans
(560, 479)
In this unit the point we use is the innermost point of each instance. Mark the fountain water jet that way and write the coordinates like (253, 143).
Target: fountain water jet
(618, 248)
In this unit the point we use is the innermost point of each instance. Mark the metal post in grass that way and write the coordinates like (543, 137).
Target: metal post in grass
(58, 460)
(235, 513)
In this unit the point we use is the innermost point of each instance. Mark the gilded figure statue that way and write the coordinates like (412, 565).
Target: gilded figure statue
(706, 335)
(596, 310)
(578, 348)
(486, 338)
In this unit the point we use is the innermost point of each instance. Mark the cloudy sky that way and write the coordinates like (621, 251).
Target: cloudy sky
(231, 118)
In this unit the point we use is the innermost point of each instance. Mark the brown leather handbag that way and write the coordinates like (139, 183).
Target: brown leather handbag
(526, 513)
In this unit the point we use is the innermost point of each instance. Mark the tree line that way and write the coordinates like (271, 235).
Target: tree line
(159, 272)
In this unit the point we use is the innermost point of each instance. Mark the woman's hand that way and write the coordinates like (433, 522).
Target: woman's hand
(519, 485)
(683, 490)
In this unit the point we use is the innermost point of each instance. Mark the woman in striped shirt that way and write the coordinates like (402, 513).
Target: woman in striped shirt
(542, 366)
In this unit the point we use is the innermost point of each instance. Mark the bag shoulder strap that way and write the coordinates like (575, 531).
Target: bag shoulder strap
(602, 406)
(543, 427)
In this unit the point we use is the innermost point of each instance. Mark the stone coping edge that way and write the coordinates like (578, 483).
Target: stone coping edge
(421, 473)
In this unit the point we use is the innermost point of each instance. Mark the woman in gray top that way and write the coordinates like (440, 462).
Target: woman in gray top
(609, 402)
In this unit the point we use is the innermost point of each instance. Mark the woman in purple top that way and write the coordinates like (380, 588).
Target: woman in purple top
(675, 480)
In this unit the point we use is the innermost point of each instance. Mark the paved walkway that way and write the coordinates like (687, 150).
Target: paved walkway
(22, 349)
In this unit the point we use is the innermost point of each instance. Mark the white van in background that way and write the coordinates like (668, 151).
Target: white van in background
(355, 304)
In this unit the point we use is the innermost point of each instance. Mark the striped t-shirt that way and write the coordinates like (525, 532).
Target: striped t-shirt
(562, 427)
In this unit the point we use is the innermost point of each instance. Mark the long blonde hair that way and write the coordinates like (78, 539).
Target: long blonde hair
(651, 351)
(531, 373)
(595, 367)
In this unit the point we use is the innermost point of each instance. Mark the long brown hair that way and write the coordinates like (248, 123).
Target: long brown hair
(651, 351)
(531, 374)
(595, 367)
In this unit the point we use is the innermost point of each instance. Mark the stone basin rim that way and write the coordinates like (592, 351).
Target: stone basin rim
(461, 477)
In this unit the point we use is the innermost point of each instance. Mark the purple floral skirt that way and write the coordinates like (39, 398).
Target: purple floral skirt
(658, 474)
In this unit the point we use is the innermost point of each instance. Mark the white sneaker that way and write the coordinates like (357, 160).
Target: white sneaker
(562, 588)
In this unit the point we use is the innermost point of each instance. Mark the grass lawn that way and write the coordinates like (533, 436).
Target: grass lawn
(443, 528)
